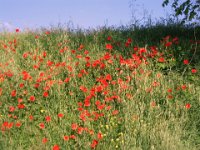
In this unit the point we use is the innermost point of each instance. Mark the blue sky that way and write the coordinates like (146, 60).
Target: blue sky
(83, 13)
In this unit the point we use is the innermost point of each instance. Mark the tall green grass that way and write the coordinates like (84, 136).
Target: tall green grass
(110, 88)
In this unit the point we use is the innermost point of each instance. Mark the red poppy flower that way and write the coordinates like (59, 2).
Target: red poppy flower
(66, 138)
(83, 88)
(74, 126)
(109, 47)
(115, 112)
(60, 115)
(186, 62)
(56, 147)
(67, 80)
(153, 104)
(41, 125)
(13, 93)
(21, 106)
(18, 124)
(47, 32)
(87, 103)
(81, 47)
(108, 77)
(161, 59)
(194, 71)
(45, 94)
(25, 55)
(168, 44)
(72, 137)
(21, 85)
(31, 117)
(17, 30)
(48, 118)
(183, 87)
(187, 106)
(109, 38)
(94, 144)
(44, 140)
(36, 85)
(99, 135)
(1, 91)
(32, 98)
(11, 108)
(169, 90)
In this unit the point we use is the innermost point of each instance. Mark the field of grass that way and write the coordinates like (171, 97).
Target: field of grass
(111, 88)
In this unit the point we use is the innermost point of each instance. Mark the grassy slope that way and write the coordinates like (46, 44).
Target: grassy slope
(135, 101)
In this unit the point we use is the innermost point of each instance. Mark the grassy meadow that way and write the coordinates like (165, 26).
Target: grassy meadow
(110, 88)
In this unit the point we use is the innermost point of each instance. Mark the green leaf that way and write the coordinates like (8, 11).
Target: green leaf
(165, 3)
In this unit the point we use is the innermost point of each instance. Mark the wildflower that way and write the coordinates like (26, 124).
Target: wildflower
(49, 63)
(37, 36)
(99, 135)
(13, 93)
(87, 103)
(109, 38)
(194, 71)
(30, 117)
(74, 126)
(129, 40)
(66, 138)
(86, 52)
(183, 87)
(18, 124)
(11, 108)
(186, 61)
(72, 136)
(25, 55)
(135, 48)
(169, 96)
(56, 147)
(21, 85)
(47, 32)
(94, 144)
(41, 125)
(48, 118)
(115, 112)
(83, 88)
(80, 130)
(21, 106)
(17, 30)
(161, 59)
(32, 98)
(44, 140)
(169, 90)
(142, 50)
(42, 110)
(108, 77)
(168, 44)
(81, 47)
(153, 104)
(109, 47)
(67, 80)
(36, 85)
(1, 91)
(60, 115)
(44, 54)
(45, 94)
(187, 106)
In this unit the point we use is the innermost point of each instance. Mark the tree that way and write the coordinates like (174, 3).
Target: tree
(189, 9)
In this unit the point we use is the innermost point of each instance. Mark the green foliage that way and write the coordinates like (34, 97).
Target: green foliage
(189, 9)
(139, 96)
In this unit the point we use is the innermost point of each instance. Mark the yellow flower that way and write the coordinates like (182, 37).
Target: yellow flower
(42, 110)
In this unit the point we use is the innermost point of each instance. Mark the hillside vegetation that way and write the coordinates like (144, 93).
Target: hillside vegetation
(110, 88)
